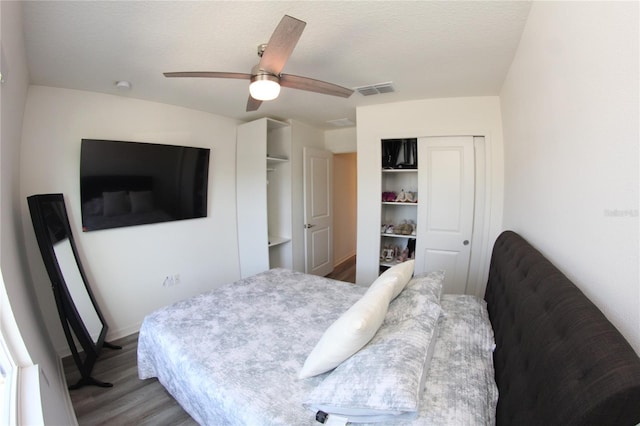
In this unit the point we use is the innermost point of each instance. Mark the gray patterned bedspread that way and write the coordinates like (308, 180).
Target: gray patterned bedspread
(232, 355)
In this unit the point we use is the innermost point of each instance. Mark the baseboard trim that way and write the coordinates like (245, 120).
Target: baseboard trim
(344, 260)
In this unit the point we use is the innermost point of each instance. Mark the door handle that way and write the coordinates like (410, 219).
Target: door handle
(465, 242)
(308, 225)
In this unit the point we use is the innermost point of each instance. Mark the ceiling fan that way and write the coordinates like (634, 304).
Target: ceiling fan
(267, 77)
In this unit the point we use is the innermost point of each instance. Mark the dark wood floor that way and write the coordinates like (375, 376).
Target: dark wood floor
(346, 271)
(132, 401)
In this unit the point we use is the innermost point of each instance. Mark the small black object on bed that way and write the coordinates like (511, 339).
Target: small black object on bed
(558, 359)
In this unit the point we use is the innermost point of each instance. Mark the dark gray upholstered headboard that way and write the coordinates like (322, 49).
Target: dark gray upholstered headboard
(558, 360)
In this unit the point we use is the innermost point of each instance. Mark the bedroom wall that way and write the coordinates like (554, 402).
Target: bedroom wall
(432, 117)
(343, 143)
(54, 398)
(127, 266)
(341, 140)
(345, 190)
(570, 114)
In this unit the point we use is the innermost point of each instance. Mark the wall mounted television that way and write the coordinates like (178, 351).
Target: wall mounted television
(135, 183)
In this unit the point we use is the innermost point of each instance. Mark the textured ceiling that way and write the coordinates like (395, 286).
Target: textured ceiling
(427, 49)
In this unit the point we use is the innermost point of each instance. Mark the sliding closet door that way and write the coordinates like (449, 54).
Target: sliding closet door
(445, 208)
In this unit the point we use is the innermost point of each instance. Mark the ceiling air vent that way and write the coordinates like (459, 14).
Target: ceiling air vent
(341, 122)
(376, 89)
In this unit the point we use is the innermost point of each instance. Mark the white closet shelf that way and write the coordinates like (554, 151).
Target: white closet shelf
(398, 203)
(399, 170)
(413, 237)
(392, 263)
(276, 159)
(275, 240)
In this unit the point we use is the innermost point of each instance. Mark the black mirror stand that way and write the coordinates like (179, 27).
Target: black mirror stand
(52, 229)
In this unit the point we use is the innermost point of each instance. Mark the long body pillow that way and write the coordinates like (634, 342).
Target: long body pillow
(397, 277)
(353, 329)
(385, 380)
(348, 333)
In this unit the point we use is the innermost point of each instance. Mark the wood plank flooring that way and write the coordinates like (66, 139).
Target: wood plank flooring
(346, 271)
(130, 401)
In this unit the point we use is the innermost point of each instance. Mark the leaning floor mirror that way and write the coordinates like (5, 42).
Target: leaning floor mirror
(82, 321)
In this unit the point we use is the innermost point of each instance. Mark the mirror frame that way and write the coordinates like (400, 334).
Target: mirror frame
(49, 231)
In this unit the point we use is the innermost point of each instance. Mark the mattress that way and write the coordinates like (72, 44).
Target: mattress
(232, 355)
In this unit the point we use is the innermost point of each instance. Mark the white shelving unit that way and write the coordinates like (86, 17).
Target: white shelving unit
(395, 212)
(264, 185)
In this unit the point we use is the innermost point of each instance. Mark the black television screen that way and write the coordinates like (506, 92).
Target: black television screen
(134, 183)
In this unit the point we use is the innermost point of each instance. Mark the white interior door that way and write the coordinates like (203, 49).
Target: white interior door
(318, 236)
(445, 208)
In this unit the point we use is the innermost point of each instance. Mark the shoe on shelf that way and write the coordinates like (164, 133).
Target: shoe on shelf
(388, 196)
(402, 256)
(402, 197)
(388, 254)
(403, 228)
(383, 252)
(409, 197)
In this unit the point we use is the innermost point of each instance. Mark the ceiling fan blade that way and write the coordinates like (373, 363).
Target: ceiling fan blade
(209, 74)
(312, 85)
(253, 104)
(281, 44)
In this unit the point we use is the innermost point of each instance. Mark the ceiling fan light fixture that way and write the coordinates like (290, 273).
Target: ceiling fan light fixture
(266, 76)
(122, 85)
(264, 87)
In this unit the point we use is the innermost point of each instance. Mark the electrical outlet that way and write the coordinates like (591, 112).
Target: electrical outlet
(171, 280)
(168, 281)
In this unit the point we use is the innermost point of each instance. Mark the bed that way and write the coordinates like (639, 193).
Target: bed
(558, 359)
(534, 351)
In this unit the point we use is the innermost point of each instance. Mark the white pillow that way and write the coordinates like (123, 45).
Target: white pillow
(385, 380)
(397, 277)
(349, 333)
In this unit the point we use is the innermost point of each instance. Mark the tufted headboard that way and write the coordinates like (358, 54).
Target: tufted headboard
(558, 360)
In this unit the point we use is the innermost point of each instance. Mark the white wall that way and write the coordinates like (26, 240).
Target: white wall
(570, 113)
(341, 141)
(127, 266)
(434, 117)
(56, 405)
(345, 190)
